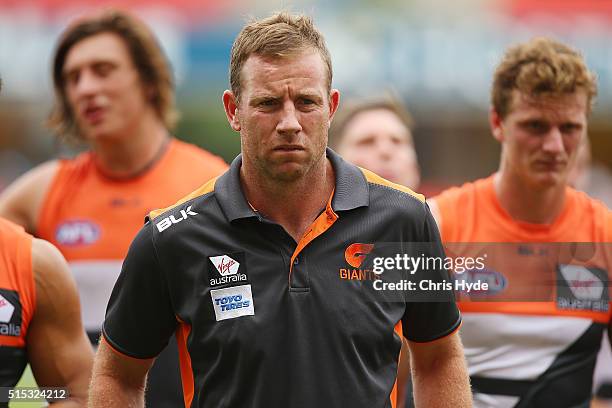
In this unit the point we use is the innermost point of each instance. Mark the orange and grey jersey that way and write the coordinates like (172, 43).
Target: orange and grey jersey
(526, 350)
(17, 300)
(92, 218)
(264, 321)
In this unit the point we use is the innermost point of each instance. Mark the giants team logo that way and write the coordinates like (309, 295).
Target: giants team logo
(77, 233)
(227, 268)
(355, 255)
(10, 313)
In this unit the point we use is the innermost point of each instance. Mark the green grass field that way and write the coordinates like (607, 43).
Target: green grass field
(27, 380)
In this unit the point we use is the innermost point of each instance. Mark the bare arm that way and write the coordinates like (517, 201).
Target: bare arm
(403, 374)
(118, 380)
(58, 349)
(439, 374)
(21, 201)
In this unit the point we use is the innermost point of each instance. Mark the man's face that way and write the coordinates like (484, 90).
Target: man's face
(379, 141)
(540, 137)
(283, 114)
(103, 87)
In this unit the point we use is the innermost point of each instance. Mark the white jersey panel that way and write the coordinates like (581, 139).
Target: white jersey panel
(494, 401)
(95, 281)
(516, 347)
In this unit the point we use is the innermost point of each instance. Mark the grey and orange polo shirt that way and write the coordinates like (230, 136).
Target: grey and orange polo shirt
(264, 321)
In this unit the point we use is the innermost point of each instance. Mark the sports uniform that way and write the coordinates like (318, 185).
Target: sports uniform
(263, 321)
(532, 353)
(92, 219)
(17, 301)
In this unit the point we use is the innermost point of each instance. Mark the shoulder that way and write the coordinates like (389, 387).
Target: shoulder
(454, 194)
(456, 205)
(21, 201)
(601, 215)
(187, 150)
(10, 229)
(52, 279)
(398, 205)
(48, 263)
(38, 177)
(200, 194)
(376, 180)
(457, 198)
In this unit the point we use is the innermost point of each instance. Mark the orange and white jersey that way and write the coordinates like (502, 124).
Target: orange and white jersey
(534, 342)
(93, 219)
(17, 300)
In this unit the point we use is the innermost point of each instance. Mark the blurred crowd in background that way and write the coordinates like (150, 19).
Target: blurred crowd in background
(437, 56)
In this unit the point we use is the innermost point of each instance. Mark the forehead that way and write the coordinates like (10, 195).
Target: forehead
(304, 70)
(102, 47)
(373, 122)
(572, 106)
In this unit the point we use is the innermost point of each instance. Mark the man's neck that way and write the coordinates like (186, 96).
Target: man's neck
(132, 154)
(294, 205)
(525, 204)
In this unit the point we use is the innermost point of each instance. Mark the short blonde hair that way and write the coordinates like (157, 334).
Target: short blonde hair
(354, 108)
(279, 35)
(147, 56)
(541, 67)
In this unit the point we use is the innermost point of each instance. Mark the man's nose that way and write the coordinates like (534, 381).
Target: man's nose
(87, 84)
(553, 142)
(385, 148)
(289, 121)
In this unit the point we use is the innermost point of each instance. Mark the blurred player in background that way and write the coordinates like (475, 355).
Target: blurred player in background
(537, 354)
(596, 181)
(377, 135)
(40, 319)
(115, 92)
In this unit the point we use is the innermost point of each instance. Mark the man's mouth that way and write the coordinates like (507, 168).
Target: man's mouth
(289, 148)
(94, 114)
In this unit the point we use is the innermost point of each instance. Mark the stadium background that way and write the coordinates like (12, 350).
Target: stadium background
(438, 56)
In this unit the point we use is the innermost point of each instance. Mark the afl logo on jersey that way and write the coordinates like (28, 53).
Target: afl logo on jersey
(77, 233)
(496, 281)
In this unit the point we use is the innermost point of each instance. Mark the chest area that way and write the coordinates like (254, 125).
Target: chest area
(243, 282)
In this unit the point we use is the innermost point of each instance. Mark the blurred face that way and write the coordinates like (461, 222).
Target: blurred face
(283, 115)
(540, 137)
(379, 141)
(103, 87)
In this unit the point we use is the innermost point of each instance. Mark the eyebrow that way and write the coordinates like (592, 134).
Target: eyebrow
(93, 63)
(260, 98)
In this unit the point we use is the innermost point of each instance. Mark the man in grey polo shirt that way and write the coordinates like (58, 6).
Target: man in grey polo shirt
(260, 273)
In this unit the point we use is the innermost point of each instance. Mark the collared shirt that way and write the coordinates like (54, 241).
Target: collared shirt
(264, 321)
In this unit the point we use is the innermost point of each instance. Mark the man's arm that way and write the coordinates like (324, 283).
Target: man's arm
(118, 380)
(439, 374)
(403, 374)
(58, 349)
(21, 201)
(139, 321)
